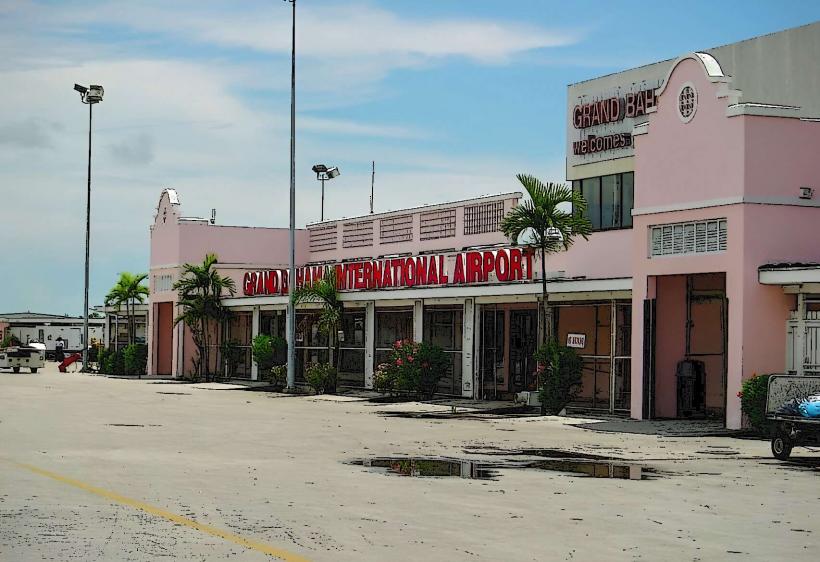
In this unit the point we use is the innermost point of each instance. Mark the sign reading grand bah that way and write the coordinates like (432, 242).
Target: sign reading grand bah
(610, 110)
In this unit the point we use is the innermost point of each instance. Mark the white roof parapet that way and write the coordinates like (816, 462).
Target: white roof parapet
(710, 66)
(426, 207)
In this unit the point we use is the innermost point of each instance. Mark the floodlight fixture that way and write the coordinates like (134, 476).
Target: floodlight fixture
(90, 95)
(325, 173)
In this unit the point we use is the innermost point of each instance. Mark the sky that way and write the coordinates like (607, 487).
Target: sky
(451, 98)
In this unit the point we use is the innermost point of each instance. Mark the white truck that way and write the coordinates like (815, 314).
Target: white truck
(30, 357)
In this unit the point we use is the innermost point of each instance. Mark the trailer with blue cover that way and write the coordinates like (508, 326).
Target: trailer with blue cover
(793, 407)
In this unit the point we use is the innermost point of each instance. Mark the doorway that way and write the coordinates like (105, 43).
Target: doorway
(164, 312)
(508, 338)
(690, 341)
(523, 342)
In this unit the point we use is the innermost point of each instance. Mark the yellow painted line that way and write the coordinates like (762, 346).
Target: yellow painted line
(173, 517)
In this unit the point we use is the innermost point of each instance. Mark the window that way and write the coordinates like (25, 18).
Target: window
(163, 283)
(392, 324)
(688, 238)
(443, 327)
(609, 200)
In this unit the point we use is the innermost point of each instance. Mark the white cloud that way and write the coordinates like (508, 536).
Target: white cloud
(324, 30)
(187, 122)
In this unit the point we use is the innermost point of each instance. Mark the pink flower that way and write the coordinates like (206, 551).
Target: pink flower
(399, 362)
(410, 358)
(740, 394)
(397, 344)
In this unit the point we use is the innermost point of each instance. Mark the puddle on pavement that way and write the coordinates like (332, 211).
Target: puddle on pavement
(427, 467)
(436, 467)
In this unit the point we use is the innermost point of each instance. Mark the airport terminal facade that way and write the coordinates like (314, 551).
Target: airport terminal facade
(701, 177)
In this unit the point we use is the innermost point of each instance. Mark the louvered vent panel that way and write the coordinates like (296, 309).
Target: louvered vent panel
(323, 238)
(396, 229)
(482, 218)
(357, 234)
(438, 224)
(685, 238)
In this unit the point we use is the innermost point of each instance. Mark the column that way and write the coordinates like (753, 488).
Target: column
(467, 347)
(254, 333)
(369, 343)
(418, 320)
(800, 335)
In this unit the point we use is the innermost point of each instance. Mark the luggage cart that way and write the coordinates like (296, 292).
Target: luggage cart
(791, 431)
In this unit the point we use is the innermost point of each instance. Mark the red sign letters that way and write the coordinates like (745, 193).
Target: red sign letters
(489, 266)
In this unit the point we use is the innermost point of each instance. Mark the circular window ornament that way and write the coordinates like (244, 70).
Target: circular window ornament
(687, 102)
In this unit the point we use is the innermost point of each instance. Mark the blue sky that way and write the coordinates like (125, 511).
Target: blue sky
(450, 98)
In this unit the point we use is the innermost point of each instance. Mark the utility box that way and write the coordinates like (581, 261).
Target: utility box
(691, 376)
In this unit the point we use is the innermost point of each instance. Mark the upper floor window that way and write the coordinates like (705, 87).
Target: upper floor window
(609, 200)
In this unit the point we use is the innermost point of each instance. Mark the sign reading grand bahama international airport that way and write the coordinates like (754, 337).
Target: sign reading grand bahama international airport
(503, 265)
(610, 110)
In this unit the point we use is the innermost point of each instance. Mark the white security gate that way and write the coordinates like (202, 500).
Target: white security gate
(805, 348)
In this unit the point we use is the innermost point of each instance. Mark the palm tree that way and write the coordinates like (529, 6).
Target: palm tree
(200, 291)
(128, 290)
(548, 227)
(324, 292)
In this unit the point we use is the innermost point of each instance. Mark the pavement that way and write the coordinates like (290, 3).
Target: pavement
(96, 468)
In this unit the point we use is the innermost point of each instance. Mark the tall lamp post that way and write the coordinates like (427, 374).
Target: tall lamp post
(89, 95)
(324, 173)
(291, 314)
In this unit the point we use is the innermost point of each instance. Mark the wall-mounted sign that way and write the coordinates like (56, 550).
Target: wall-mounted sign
(610, 110)
(464, 268)
(578, 341)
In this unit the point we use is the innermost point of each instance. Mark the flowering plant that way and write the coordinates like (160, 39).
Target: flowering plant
(412, 367)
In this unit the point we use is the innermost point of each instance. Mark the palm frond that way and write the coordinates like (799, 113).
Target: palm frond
(550, 218)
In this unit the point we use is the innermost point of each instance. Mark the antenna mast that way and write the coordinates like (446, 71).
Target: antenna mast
(372, 181)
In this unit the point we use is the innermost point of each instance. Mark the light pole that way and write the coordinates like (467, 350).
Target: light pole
(89, 96)
(324, 173)
(291, 314)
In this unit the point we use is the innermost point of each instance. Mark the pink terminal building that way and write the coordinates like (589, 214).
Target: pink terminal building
(701, 176)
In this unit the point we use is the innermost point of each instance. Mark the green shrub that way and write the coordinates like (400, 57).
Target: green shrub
(101, 358)
(321, 377)
(753, 401)
(135, 359)
(262, 351)
(117, 363)
(559, 371)
(278, 376)
(412, 367)
(232, 357)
